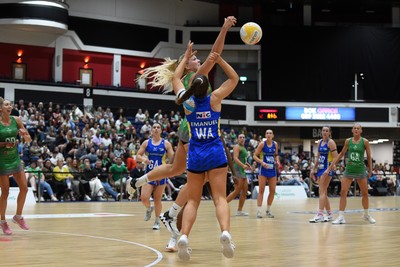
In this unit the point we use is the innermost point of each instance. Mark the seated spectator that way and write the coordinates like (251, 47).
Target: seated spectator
(51, 137)
(378, 179)
(102, 174)
(56, 155)
(81, 151)
(41, 130)
(118, 122)
(63, 180)
(296, 174)
(89, 175)
(35, 151)
(97, 140)
(253, 142)
(25, 151)
(105, 140)
(128, 160)
(138, 171)
(126, 122)
(92, 156)
(108, 114)
(119, 150)
(47, 171)
(118, 174)
(61, 141)
(146, 129)
(34, 171)
(158, 117)
(86, 130)
(31, 126)
(130, 134)
(286, 177)
(71, 148)
(23, 114)
(77, 186)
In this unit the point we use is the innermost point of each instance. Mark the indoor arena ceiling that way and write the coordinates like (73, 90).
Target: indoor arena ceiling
(339, 3)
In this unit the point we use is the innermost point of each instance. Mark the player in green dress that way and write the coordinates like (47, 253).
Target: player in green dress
(10, 164)
(356, 146)
(240, 164)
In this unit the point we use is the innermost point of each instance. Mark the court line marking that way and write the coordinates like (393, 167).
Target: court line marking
(72, 215)
(158, 253)
(349, 211)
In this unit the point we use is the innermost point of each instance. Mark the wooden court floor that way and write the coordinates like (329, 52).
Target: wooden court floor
(115, 234)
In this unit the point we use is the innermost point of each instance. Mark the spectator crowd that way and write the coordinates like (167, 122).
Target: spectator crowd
(86, 154)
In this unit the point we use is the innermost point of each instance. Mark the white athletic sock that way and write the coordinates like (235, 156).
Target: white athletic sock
(259, 208)
(226, 233)
(268, 208)
(366, 212)
(174, 210)
(142, 181)
(341, 213)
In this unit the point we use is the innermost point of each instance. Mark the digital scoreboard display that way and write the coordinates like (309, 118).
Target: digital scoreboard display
(320, 114)
(269, 113)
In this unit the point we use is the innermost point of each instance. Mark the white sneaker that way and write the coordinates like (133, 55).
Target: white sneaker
(156, 226)
(171, 247)
(269, 214)
(87, 198)
(259, 215)
(241, 213)
(53, 198)
(328, 218)
(183, 248)
(100, 198)
(318, 218)
(369, 219)
(169, 223)
(228, 248)
(42, 199)
(339, 220)
(147, 215)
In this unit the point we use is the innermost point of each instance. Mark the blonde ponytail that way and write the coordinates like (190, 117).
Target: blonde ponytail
(161, 75)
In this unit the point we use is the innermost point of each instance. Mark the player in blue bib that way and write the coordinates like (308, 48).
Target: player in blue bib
(152, 153)
(327, 152)
(206, 154)
(268, 165)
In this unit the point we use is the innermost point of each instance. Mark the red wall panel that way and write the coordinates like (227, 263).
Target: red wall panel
(39, 61)
(131, 66)
(101, 64)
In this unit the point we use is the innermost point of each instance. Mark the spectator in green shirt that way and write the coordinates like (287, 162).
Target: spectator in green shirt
(118, 173)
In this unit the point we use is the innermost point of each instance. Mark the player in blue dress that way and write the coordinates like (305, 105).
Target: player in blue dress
(206, 154)
(268, 165)
(152, 153)
(327, 152)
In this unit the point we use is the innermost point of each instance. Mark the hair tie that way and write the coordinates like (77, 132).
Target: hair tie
(198, 78)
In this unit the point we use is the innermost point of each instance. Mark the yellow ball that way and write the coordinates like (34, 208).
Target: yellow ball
(251, 33)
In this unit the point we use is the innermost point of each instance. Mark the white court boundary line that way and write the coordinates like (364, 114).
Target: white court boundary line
(159, 254)
(72, 215)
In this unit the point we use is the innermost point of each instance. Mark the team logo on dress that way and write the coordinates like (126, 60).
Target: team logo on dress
(203, 115)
